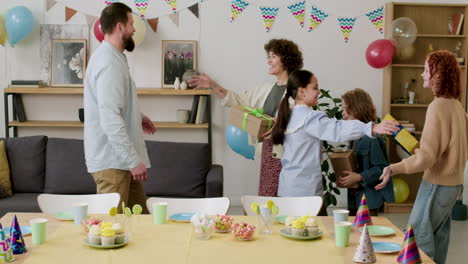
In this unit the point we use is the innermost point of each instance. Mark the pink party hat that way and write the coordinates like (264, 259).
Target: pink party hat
(363, 215)
(6, 253)
(409, 253)
(365, 251)
(16, 238)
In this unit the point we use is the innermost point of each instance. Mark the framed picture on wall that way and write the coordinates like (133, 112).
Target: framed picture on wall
(68, 62)
(177, 57)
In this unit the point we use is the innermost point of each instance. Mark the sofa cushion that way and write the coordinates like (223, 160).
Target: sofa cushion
(19, 202)
(5, 182)
(26, 156)
(66, 171)
(177, 169)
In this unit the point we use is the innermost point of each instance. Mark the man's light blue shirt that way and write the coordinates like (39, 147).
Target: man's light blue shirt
(113, 135)
(301, 173)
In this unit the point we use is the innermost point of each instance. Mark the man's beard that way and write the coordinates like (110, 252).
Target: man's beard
(129, 44)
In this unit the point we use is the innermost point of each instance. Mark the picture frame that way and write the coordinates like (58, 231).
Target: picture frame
(68, 62)
(177, 57)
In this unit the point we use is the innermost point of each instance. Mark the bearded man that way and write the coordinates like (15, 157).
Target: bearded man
(115, 151)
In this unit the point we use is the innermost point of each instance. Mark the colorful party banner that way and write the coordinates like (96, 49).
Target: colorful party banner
(175, 18)
(346, 26)
(50, 4)
(268, 15)
(108, 2)
(69, 13)
(194, 10)
(237, 7)
(317, 16)
(153, 22)
(376, 17)
(173, 5)
(141, 6)
(90, 20)
(298, 11)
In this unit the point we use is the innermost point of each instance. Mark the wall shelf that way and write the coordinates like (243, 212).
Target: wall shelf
(439, 36)
(54, 123)
(79, 91)
(410, 105)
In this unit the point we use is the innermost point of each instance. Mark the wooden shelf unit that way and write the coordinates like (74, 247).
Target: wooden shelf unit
(17, 91)
(432, 24)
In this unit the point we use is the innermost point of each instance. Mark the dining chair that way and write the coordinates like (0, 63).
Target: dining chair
(217, 205)
(97, 203)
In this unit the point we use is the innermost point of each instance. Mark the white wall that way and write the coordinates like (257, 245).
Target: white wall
(232, 53)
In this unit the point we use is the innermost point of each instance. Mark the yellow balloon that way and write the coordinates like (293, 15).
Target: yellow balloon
(140, 30)
(3, 33)
(401, 189)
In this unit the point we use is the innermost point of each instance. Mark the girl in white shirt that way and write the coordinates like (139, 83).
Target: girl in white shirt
(301, 130)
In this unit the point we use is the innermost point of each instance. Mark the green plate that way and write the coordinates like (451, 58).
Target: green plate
(64, 216)
(85, 241)
(286, 235)
(375, 230)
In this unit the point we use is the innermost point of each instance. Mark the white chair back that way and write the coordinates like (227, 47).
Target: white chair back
(217, 205)
(97, 203)
(290, 206)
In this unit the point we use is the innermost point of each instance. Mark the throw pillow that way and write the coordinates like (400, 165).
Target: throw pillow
(5, 183)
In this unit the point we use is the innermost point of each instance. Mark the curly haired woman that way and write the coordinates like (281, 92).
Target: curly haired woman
(442, 156)
(283, 57)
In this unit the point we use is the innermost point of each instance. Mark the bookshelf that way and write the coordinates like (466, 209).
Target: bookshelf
(17, 91)
(432, 23)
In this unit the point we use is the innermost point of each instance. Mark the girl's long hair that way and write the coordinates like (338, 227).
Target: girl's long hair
(296, 80)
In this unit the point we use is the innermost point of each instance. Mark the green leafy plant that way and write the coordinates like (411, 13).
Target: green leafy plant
(332, 108)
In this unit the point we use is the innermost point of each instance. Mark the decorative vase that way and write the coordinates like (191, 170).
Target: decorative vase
(177, 83)
(183, 85)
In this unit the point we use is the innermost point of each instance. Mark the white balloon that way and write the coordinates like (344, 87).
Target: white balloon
(404, 31)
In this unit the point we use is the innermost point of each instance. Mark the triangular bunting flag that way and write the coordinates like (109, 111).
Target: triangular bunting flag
(194, 10)
(268, 15)
(365, 251)
(153, 22)
(16, 237)
(409, 253)
(175, 18)
(141, 6)
(108, 2)
(316, 18)
(363, 215)
(237, 7)
(6, 253)
(50, 4)
(346, 26)
(69, 13)
(376, 17)
(298, 11)
(90, 20)
(173, 5)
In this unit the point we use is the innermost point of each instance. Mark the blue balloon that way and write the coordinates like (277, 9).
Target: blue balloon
(19, 23)
(238, 140)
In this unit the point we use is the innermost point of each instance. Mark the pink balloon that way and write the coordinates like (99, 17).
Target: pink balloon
(98, 31)
(380, 53)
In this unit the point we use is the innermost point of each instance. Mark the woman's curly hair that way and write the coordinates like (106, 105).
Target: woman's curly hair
(288, 51)
(444, 69)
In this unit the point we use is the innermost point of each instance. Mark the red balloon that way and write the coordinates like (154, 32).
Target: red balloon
(380, 53)
(98, 31)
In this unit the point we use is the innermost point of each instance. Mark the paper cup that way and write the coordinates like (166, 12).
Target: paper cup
(342, 231)
(80, 212)
(39, 230)
(340, 215)
(159, 213)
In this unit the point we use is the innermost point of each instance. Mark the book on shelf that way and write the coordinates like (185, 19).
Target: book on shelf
(27, 82)
(204, 112)
(26, 85)
(457, 23)
(19, 108)
(199, 109)
(193, 112)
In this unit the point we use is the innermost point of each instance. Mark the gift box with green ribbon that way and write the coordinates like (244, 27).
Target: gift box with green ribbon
(251, 120)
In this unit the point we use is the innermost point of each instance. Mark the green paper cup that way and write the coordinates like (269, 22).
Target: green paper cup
(159, 213)
(342, 231)
(39, 229)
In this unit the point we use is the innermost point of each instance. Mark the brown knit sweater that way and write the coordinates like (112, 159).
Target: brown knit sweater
(443, 150)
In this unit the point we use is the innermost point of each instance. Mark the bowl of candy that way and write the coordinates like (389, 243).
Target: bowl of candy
(243, 231)
(203, 225)
(87, 223)
(223, 223)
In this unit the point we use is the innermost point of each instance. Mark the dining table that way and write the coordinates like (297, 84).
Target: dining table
(175, 243)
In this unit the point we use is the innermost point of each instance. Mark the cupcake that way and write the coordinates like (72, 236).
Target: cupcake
(107, 236)
(119, 233)
(288, 224)
(311, 227)
(298, 228)
(106, 225)
(94, 235)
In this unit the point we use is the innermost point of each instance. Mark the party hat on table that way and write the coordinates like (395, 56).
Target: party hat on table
(16, 238)
(365, 251)
(363, 215)
(6, 253)
(409, 253)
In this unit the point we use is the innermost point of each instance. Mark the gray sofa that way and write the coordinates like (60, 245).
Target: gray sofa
(55, 165)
